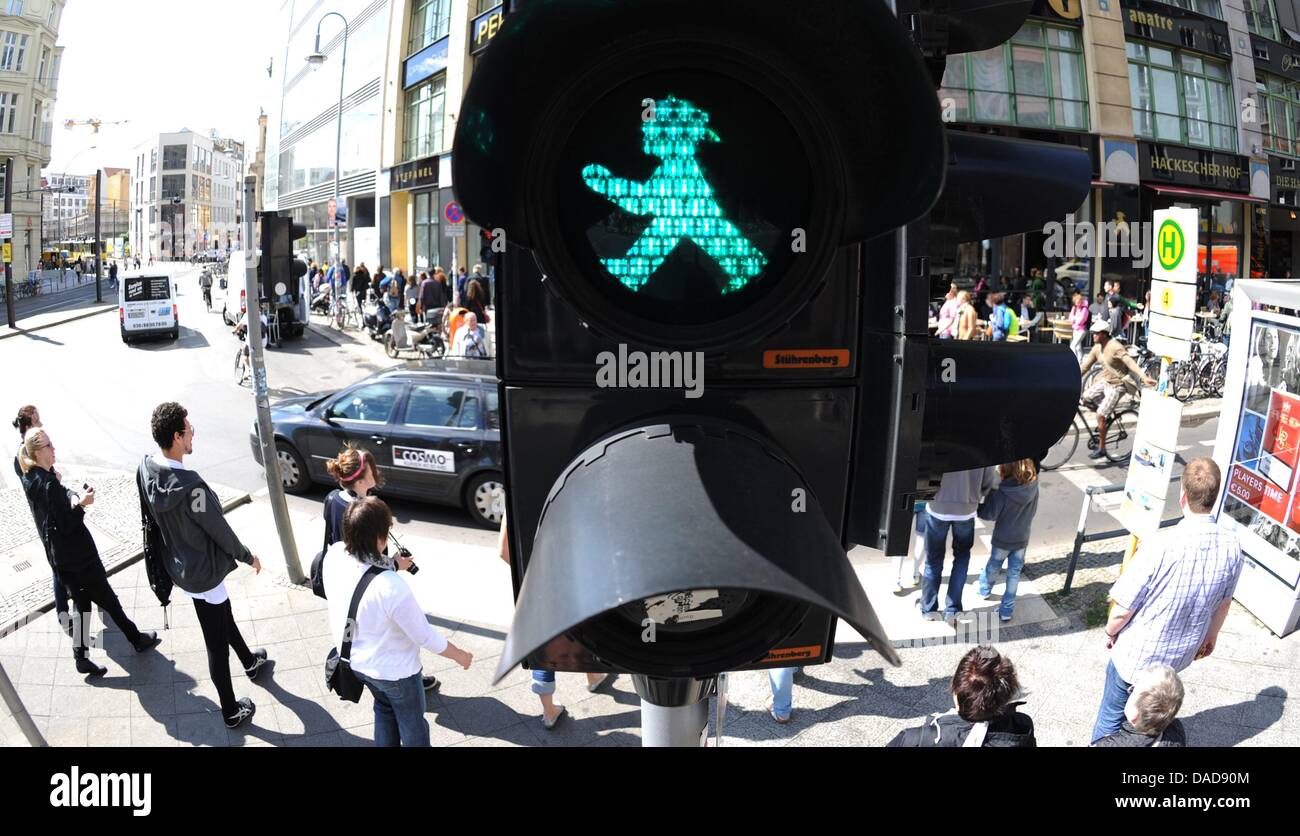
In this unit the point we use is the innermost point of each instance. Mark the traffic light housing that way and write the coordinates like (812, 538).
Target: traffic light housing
(951, 405)
(684, 200)
(279, 272)
(716, 372)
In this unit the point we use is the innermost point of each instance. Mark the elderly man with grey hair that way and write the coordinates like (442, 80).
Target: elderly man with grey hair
(471, 339)
(1150, 714)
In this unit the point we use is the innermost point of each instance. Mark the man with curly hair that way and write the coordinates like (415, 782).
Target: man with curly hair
(201, 550)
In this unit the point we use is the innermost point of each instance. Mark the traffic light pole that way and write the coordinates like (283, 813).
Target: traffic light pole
(261, 398)
(9, 273)
(99, 254)
(674, 712)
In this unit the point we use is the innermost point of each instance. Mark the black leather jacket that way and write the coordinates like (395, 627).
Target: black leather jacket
(60, 524)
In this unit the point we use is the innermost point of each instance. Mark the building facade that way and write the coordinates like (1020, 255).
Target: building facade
(304, 140)
(29, 75)
(184, 200)
(433, 45)
(1184, 103)
(65, 198)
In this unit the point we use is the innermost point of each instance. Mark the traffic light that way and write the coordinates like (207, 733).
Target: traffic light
(950, 405)
(684, 200)
(279, 273)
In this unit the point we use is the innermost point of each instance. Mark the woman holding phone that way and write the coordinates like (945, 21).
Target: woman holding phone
(60, 520)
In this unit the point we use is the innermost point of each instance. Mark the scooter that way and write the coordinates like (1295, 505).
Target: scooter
(425, 342)
(378, 320)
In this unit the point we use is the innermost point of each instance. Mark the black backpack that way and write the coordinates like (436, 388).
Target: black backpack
(156, 552)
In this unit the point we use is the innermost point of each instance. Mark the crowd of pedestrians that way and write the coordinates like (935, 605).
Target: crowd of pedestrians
(457, 310)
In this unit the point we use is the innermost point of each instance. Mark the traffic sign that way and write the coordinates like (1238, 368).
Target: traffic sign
(453, 213)
(6, 225)
(1173, 282)
(8, 254)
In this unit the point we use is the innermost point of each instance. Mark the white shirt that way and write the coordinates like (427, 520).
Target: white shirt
(217, 594)
(390, 626)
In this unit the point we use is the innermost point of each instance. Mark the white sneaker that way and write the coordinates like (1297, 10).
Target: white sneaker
(937, 615)
(991, 596)
(899, 589)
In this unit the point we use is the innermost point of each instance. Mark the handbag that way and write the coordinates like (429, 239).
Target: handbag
(339, 677)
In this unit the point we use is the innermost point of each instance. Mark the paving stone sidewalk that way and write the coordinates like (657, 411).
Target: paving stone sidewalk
(1242, 696)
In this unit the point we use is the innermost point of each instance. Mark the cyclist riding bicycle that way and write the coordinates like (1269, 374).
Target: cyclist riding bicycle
(205, 282)
(1103, 395)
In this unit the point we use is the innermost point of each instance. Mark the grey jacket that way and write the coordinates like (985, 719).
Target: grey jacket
(202, 548)
(1013, 506)
(961, 492)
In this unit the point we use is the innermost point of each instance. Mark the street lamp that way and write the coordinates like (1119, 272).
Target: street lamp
(316, 59)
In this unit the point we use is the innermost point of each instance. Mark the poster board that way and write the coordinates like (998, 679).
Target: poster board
(1258, 450)
(1151, 466)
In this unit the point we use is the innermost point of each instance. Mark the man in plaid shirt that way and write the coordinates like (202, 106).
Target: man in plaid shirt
(1172, 600)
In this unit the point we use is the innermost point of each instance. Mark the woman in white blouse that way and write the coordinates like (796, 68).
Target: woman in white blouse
(390, 627)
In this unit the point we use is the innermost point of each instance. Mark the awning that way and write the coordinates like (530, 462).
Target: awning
(1206, 193)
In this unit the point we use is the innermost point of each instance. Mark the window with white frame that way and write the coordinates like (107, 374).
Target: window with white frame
(14, 7)
(52, 20)
(36, 119)
(8, 112)
(13, 51)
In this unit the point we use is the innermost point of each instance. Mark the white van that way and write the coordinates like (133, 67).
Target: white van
(146, 306)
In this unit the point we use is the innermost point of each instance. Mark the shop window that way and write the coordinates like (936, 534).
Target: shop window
(1037, 80)
(1181, 98)
(426, 230)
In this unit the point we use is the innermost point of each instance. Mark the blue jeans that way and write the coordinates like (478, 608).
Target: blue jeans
(1015, 561)
(543, 682)
(399, 710)
(782, 680)
(1110, 716)
(936, 545)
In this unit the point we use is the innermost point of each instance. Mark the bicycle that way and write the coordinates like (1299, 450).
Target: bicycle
(243, 365)
(1121, 429)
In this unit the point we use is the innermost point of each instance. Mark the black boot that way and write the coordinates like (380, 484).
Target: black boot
(148, 640)
(84, 665)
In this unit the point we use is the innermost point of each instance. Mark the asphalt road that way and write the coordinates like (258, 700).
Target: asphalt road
(96, 394)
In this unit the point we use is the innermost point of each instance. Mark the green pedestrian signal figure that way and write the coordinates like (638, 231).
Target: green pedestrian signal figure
(679, 198)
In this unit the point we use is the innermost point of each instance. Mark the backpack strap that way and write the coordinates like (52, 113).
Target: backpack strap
(349, 626)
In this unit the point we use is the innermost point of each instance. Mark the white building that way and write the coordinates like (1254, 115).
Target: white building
(29, 76)
(66, 197)
(185, 195)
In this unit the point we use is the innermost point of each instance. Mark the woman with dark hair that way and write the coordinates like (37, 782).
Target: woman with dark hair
(389, 629)
(60, 519)
(29, 418)
(983, 692)
(357, 475)
(475, 299)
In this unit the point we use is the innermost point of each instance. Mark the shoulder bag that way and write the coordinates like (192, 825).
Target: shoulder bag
(339, 677)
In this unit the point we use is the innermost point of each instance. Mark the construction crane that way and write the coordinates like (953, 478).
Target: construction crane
(95, 124)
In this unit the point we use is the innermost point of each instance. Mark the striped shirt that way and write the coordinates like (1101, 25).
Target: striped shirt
(1173, 587)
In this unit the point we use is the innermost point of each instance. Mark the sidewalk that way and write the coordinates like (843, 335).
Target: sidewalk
(1240, 696)
(76, 303)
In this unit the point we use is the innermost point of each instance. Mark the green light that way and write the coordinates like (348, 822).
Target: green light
(679, 198)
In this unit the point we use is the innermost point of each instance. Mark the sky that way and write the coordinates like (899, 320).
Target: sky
(159, 66)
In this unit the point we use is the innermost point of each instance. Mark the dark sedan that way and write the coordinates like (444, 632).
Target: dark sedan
(433, 429)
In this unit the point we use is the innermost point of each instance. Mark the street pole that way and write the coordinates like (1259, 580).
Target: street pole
(674, 711)
(261, 396)
(99, 257)
(16, 707)
(9, 273)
